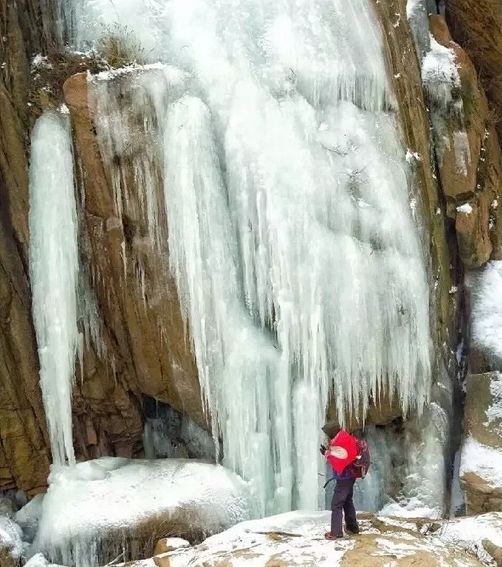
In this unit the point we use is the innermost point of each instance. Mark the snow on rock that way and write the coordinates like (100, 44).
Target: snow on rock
(167, 544)
(38, 560)
(494, 412)
(96, 509)
(440, 74)
(466, 209)
(416, 13)
(469, 533)
(486, 318)
(11, 545)
(297, 538)
(484, 461)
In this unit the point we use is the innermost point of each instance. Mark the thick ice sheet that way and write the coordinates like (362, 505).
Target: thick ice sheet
(54, 271)
(87, 502)
(293, 231)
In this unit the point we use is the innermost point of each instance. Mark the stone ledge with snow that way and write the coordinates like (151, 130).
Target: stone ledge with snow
(98, 510)
(297, 539)
(481, 459)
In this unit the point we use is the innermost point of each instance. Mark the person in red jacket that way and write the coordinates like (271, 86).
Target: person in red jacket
(342, 455)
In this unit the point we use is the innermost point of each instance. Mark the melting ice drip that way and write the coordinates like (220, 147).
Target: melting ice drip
(291, 237)
(54, 271)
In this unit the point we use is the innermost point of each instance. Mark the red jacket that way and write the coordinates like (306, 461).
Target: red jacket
(342, 451)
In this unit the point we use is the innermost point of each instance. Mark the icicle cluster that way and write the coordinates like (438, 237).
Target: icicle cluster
(54, 273)
(291, 235)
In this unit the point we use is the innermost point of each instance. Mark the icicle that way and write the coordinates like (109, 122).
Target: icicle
(54, 274)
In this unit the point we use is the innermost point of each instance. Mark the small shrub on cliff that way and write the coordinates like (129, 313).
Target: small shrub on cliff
(120, 47)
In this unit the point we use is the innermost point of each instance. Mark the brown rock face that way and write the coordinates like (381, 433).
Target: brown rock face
(479, 398)
(470, 164)
(145, 349)
(477, 26)
(139, 344)
(24, 456)
(414, 121)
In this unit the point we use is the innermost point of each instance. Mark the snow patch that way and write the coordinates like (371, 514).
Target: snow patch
(494, 412)
(41, 61)
(466, 209)
(486, 318)
(38, 560)
(484, 461)
(412, 156)
(469, 533)
(462, 151)
(440, 74)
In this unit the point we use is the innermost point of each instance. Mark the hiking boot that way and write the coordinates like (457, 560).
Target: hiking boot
(354, 530)
(329, 535)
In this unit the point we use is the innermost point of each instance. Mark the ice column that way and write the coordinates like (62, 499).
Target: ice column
(54, 271)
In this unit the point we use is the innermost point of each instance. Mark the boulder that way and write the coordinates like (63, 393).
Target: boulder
(167, 544)
(110, 507)
(481, 460)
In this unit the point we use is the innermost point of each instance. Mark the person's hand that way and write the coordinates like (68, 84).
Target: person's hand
(323, 450)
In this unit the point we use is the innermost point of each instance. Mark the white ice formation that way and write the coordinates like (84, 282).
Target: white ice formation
(296, 253)
(54, 273)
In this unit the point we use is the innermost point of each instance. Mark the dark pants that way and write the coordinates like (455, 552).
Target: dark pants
(342, 503)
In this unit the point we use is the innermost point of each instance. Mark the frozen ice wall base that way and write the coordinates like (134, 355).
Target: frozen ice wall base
(293, 233)
(54, 272)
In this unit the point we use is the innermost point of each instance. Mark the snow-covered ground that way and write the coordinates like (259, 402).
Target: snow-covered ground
(470, 532)
(297, 538)
(94, 501)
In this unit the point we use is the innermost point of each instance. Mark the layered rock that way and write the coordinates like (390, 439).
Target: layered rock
(24, 456)
(143, 348)
(477, 26)
(469, 157)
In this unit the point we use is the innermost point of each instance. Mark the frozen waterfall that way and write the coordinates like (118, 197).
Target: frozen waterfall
(292, 229)
(54, 273)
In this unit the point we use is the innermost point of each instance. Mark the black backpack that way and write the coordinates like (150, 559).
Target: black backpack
(361, 465)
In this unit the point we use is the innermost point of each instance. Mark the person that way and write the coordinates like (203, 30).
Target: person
(343, 457)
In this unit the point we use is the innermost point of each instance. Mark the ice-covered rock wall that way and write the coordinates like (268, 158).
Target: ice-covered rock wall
(292, 222)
